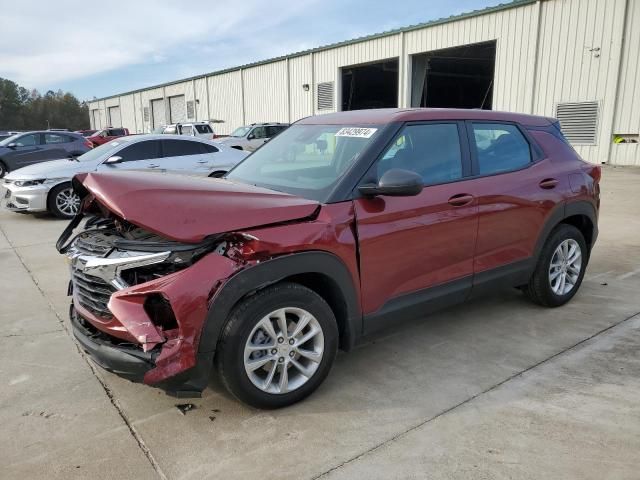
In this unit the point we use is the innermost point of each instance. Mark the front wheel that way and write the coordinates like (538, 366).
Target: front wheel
(3, 169)
(277, 346)
(63, 202)
(560, 268)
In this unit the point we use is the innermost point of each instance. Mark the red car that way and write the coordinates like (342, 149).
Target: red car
(100, 137)
(340, 225)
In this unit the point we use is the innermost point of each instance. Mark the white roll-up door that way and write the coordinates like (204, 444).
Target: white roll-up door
(177, 109)
(96, 119)
(157, 111)
(114, 117)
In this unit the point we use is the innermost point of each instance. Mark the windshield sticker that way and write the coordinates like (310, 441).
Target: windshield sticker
(356, 132)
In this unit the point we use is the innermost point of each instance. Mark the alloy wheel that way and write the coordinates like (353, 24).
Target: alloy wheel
(565, 267)
(284, 350)
(67, 202)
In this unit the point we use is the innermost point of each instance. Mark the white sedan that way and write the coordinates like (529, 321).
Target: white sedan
(47, 186)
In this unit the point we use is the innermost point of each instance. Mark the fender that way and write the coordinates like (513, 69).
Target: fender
(273, 271)
(583, 207)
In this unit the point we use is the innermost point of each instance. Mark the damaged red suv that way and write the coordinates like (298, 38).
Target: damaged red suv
(340, 225)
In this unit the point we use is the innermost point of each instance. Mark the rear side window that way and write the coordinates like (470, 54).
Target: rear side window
(273, 131)
(431, 150)
(116, 132)
(179, 148)
(209, 148)
(50, 138)
(140, 151)
(500, 148)
(203, 128)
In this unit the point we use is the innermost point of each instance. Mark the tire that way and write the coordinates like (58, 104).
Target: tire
(546, 286)
(55, 203)
(3, 169)
(244, 328)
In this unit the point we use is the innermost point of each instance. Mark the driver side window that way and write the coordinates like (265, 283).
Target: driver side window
(430, 150)
(258, 133)
(28, 140)
(140, 151)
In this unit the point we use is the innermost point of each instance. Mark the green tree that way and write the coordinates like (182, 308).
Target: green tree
(21, 109)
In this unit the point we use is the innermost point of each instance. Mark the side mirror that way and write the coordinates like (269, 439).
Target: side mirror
(251, 136)
(395, 183)
(12, 145)
(112, 160)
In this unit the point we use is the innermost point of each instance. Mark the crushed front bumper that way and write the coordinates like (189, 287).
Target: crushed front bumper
(126, 361)
(24, 199)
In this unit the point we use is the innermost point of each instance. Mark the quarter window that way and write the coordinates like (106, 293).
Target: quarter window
(500, 148)
(141, 151)
(431, 150)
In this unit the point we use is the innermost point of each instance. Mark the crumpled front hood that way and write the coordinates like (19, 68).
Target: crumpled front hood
(188, 209)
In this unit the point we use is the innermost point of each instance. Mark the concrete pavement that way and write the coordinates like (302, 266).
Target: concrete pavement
(494, 388)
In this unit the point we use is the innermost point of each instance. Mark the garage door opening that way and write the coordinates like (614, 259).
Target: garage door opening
(373, 85)
(460, 77)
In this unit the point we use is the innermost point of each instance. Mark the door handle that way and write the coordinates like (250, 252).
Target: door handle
(153, 165)
(201, 161)
(548, 183)
(461, 199)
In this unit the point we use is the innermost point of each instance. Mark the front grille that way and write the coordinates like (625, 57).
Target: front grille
(97, 245)
(92, 293)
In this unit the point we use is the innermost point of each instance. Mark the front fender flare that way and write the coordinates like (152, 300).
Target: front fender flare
(273, 271)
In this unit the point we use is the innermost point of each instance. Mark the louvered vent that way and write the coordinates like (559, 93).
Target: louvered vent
(579, 121)
(325, 96)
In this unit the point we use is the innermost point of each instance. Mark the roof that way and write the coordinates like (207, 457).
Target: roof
(382, 116)
(409, 28)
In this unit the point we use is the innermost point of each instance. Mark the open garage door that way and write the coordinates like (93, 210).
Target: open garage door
(157, 112)
(459, 77)
(177, 109)
(374, 85)
(114, 117)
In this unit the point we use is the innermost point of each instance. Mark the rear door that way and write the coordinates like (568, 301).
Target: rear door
(57, 145)
(138, 156)
(28, 149)
(516, 192)
(183, 155)
(419, 248)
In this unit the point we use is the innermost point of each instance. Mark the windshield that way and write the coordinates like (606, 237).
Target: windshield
(305, 160)
(240, 132)
(9, 140)
(100, 152)
(158, 130)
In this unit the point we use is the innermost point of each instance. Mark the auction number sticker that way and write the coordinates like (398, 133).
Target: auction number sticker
(356, 132)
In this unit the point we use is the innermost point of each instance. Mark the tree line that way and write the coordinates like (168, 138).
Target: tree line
(22, 109)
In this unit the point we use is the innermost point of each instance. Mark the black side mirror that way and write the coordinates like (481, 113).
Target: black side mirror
(395, 183)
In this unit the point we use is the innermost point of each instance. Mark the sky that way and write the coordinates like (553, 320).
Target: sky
(96, 49)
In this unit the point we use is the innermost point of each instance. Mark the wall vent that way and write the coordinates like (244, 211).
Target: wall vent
(579, 121)
(145, 114)
(325, 96)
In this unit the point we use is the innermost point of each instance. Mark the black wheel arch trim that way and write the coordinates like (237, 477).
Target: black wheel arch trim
(273, 271)
(560, 213)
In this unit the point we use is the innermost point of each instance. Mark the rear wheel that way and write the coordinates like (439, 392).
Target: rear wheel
(278, 346)
(560, 268)
(63, 201)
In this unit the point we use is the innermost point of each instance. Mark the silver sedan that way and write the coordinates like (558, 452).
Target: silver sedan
(47, 186)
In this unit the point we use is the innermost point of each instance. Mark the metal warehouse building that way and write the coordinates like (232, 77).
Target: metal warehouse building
(577, 60)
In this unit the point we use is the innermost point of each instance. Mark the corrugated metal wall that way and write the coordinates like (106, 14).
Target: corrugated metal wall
(547, 52)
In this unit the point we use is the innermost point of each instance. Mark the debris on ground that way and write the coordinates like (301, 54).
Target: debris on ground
(185, 407)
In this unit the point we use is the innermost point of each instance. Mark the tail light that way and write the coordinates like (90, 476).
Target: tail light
(214, 136)
(88, 144)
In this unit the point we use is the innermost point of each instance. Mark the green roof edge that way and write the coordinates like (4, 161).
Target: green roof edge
(374, 36)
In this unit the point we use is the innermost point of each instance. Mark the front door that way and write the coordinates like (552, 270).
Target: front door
(28, 149)
(417, 249)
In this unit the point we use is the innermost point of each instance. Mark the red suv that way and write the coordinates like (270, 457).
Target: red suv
(100, 137)
(340, 225)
